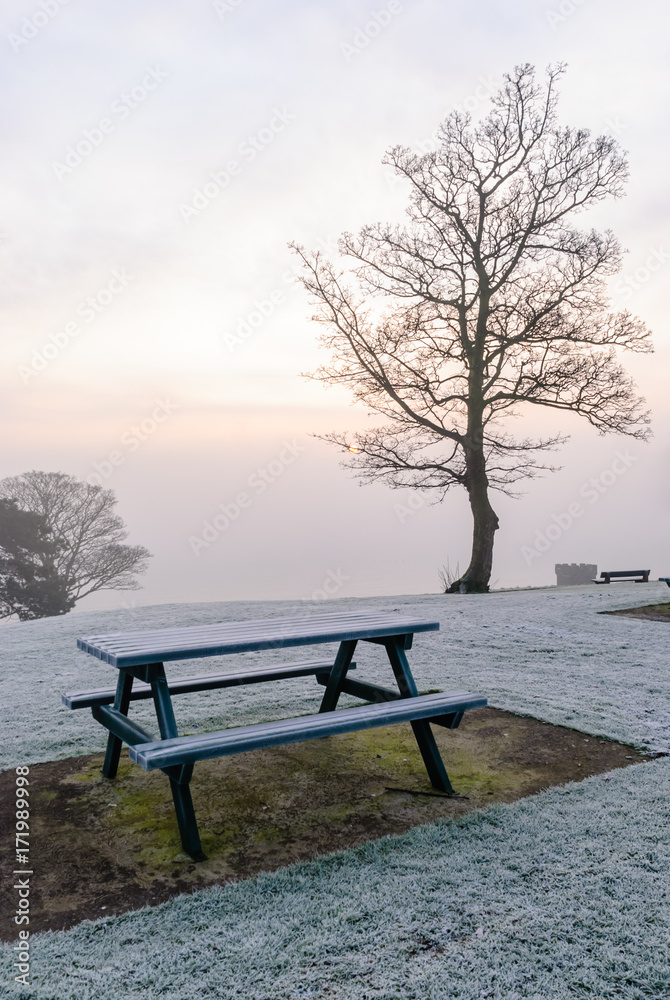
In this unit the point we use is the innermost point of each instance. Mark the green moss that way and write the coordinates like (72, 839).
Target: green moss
(291, 795)
(45, 795)
(87, 775)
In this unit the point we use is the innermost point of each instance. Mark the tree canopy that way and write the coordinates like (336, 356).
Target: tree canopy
(29, 586)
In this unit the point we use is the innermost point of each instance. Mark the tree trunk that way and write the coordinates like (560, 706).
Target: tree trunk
(476, 578)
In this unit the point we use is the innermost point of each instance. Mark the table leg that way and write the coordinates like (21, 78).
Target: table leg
(337, 675)
(124, 687)
(425, 739)
(163, 704)
(432, 758)
(183, 807)
(179, 776)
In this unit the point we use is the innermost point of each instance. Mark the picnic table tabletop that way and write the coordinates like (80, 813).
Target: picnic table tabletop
(125, 649)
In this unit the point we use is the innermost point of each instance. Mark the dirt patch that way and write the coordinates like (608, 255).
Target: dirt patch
(101, 847)
(651, 612)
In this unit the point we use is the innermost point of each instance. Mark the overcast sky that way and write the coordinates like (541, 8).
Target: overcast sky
(158, 157)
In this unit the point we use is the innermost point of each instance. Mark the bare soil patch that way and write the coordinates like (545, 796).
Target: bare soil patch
(101, 847)
(651, 612)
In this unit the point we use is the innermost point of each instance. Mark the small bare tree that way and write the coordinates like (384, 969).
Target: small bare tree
(490, 301)
(89, 553)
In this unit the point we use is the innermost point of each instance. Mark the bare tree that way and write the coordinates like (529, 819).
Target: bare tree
(89, 553)
(488, 303)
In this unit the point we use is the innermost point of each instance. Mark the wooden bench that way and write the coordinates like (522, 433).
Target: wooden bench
(140, 657)
(625, 575)
(664, 579)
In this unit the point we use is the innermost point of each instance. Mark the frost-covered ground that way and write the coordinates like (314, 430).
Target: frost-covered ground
(564, 895)
(561, 897)
(543, 653)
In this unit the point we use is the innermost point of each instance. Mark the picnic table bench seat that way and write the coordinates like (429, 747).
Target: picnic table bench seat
(140, 657)
(664, 579)
(189, 749)
(210, 682)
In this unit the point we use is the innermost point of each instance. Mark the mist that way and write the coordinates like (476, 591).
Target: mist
(158, 160)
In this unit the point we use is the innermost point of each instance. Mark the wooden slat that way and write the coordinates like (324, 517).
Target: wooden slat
(185, 685)
(254, 623)
(251, 628)
(187, 749)
(244, 631)
(159, 645)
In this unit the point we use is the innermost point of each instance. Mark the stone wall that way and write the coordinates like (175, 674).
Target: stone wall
(570, 574)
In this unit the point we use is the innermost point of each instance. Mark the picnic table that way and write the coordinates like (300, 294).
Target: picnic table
(140, 657)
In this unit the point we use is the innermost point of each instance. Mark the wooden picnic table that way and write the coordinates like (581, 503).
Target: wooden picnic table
(140, 657)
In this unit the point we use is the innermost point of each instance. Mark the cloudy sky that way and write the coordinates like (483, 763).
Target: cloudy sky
(158, 157)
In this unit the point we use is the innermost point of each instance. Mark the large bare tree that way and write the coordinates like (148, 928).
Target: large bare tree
(490, 302)
(89, 552)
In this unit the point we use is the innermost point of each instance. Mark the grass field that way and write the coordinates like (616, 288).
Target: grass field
(562, 895)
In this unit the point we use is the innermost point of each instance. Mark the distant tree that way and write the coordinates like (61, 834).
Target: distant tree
(89, 553)
(29, 586)
(492, 302)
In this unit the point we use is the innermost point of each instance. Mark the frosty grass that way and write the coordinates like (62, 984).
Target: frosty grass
(563, 895)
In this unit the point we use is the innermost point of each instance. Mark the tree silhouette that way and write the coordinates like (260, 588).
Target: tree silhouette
(90, 553)
(29, 586)
(488, 303)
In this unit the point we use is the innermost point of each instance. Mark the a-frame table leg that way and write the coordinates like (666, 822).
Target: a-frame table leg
(425, 739)
(179, 776)
(337, 674)
(124, 686)
(183, 807)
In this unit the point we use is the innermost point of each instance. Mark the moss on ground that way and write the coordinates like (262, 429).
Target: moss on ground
(109, 846)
